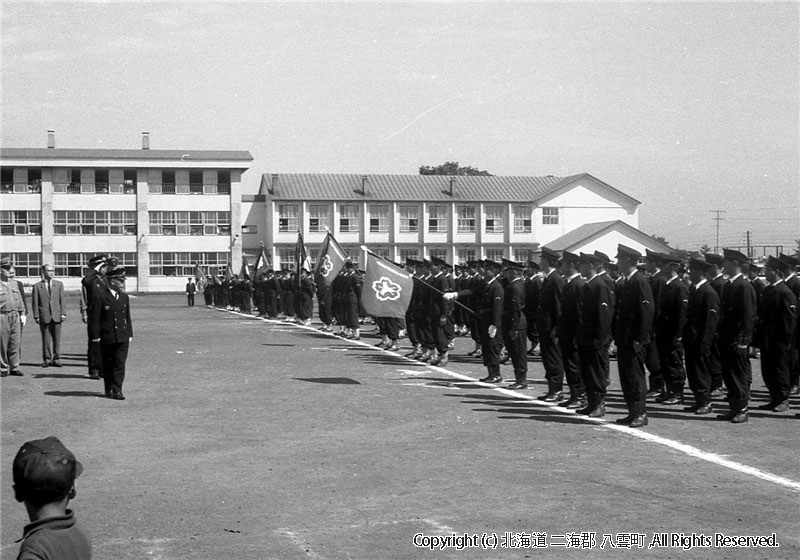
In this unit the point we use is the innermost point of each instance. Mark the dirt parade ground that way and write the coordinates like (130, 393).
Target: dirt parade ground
(253, 439)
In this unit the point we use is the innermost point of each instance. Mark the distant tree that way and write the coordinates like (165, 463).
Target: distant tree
(797, 251)
(660, 239)
(452, 168)
(705, 249)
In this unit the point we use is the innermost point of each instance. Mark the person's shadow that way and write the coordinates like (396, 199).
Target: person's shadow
(74, 394)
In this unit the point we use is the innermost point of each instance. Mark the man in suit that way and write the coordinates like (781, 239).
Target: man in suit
(632, 333)
(110, 327)
(49, 312)
(652, 360)
(191, 289)
(546, 323)
(700, 333)
(12, 317)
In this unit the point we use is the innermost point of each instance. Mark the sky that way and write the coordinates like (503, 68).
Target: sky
(691, 108)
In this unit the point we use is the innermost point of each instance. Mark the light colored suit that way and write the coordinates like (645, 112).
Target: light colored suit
(49, 311)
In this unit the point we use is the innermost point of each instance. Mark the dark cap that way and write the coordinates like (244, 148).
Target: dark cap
(46, 467)
(492, 264)
(532, 265)
(412, 262)
(700, 264)
(668, 259)
(97, 259)
(790, 260)
(588, 258)
(653, 256)
(116, 272)
(626, 252)
(513, 265)
(603, 257)
(734, 255)
(551, 256)
(566, 256)
(714, 259)
(5, 262)
(778, 264)
(613, 267)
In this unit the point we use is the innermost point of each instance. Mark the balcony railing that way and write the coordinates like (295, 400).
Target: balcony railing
(94, 188)
(21, 188)
(188, 188)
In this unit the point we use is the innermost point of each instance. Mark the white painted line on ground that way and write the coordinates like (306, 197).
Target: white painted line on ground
(635, 432)
(299, 542)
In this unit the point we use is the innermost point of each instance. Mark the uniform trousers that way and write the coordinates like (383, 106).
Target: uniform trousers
(490, 348)
(670, 356)
(94, 355)
(351, 314)
(424, 332)
(653, 365)
(411, 329)
(10, 340)
(715, 366)
(553, 364)
(738, 376)
(517, 345)
(698, 373)
(632, 378)
(569, 357)
(593, 369)
(324, 307)
(775, 369)
(114, 355)
(390, 327)
(443, 335)
(51, 341)
(190, 300)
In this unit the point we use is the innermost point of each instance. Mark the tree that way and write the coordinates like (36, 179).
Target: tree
(452, 168)
(705, 249)
(660, 239)
(797, 251)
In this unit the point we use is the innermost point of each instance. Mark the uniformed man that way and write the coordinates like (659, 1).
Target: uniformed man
(608, 272)
(474, 284)
(533, 289)
(12, 317)
(514, 323)
(441, 311)
(718, 281)
(547, 323)
(411, 322)
(594, 334)
(735, 335)
(305, 306)
(672, 305)
(568, 327)
(337, 300)
(93, 283)
(422, 315)
(651, 361)
(792, 281)
(777, 315)
(352, 296)
(110, 326)
(632, 332)
(700, 333)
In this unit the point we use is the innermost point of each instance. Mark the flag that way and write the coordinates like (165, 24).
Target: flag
(244, 273)
(330, 261)
(300, 258)
(200, 278)
(262, 263)
(387, 288)
(228, 273)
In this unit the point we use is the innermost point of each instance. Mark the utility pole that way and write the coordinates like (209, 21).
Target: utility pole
(717, 219)
(749, 249)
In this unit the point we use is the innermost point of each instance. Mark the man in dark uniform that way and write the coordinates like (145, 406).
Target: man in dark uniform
(738, 306)
(474, 283)
(672, 305)
(608, 272)
(93, 283)
(533, 288)
(191, 289)
(632, 330)
(324, 304)
(514, 323)
(568, 327)
(594, 334)
(305, 307)
(441, 311)
(547, 322)
(699, 334)
(258, 294)
(793, 283)
(110, 326)
(651, 361)
(718, 281)
(272, 290)
(352, 295)
(337, 298)
(777, 314)
(422, 315)
(411, 323)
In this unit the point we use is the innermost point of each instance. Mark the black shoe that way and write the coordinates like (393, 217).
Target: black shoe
(491, 379)
(781, 406)
(694, 408)
(553, 397)
(516, 386)
(661, 397)
(16, 373)
(794, 390)
(640, 421)
(118, 396)
(627, 420)
(45, 364)
(768, 406)
(705, 409)
(653, 393)
(94, 376)
(673, 400)
(717, 393)
(741, 417)
(598, 412)
(56, 364)
(728, 416)
(580, 402)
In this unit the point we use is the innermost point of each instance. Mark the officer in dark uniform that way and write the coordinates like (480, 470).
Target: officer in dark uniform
(305, 307)
(608, 272)
(594, 334)
(272, 290)
(92, 283)
(411, 323)
(441, 311)
(735, 335)
(474, 284)
(568, 327)
(337, 300)
(632, 330)
(700, 333)
(777, 314)
(547, 322)
(793, 283)
(651, 361)
(533, 289)
(422, 314)
(351, 287)
(324, 304)
(718, 281)
(514, 323)
(672, 307)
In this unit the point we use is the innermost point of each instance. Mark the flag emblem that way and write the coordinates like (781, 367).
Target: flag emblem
(325, 266)
(386, 290)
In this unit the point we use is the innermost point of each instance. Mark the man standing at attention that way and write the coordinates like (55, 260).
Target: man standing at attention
(111, 328)
(93, 283)
(49, 312)
(546, 323)
(12, 317)
(190, 291)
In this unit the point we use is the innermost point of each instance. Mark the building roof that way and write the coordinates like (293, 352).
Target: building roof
(111, 154)
(324, 186)
(585, 233)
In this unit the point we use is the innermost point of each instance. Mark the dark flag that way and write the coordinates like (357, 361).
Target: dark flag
(301, 258)
(387, 288)
(330, 261)
(245, 271)
(262, 263)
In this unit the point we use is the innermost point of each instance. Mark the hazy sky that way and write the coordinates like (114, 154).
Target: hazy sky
(689, 107)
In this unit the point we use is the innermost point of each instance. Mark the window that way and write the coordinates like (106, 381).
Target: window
(379, 218)
(494, 219)
(287, 217)
(348, 218)
(496, 255)
(466, 255)
(94, 222)
(76, 264)
(437, 219)
(184, 264)
(408, 254)
(550, 216)
(27, 264)
(522, 255)
(384, 253)
(6, 180)
(439, 254)
(318, 217)
(101, 181)
(466, 219)
(190, 223)
(409, 219)
(224, 181)
(195, 182)
(34, 184)
(20, 222)
(129, 181)
(250, 229)
(522, 219)
(287, 258)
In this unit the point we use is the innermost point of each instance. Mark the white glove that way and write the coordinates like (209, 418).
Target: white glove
(450, 295)
(492, 331)
(23, 319)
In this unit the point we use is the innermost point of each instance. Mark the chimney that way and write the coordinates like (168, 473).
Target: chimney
(363, 184)
(274, 182)
(51, 139)
(145, 140)
(452, 182)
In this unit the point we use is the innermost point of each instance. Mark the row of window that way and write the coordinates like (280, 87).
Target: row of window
(380, 220)
(115, 222)
(116, 188)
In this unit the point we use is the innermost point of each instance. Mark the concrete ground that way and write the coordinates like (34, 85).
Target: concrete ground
(242, 438)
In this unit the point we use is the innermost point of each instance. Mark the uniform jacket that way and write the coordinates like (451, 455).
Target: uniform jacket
(11, 298)
(48, 307)
(702, 318)
(597, 309)
(570, 321)
(440, 307)
(533, 290)
(491, 306)
(91, 284)
(21, 287)
(549, 303)
(738, 305)
(514, 307)
(634, 311)
(110, 318)
(793, 283)
(191, 288)
(777, 316)
(673, 303)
